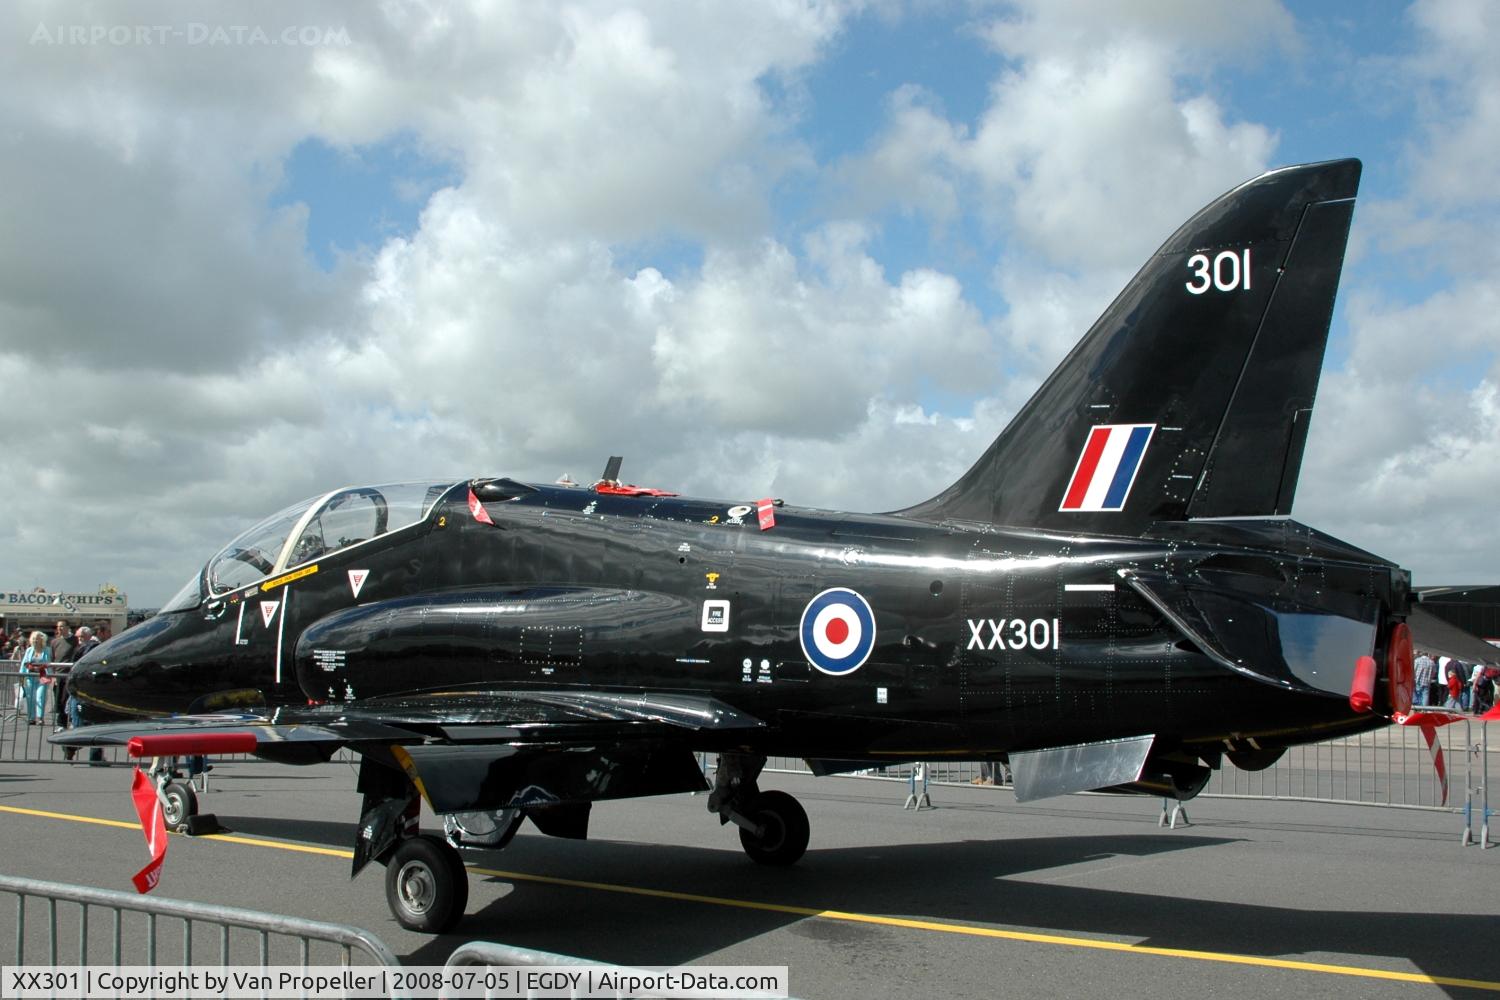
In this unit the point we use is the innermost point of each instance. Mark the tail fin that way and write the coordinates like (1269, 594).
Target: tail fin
(1190, 396)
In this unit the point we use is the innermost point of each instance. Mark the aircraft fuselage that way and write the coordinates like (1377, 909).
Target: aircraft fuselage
(985, 640)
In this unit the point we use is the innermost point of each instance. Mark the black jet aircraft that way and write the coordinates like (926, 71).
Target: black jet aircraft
(1111, 597)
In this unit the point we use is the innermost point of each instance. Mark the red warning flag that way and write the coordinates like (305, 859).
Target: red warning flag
(477, 509)
(766, 511)
(154, 826)
(1429, 722)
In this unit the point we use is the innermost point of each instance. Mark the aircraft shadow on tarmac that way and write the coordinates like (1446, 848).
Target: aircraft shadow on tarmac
(965, 881)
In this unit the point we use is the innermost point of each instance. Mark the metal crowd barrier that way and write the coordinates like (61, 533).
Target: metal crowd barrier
(22, 741)
(266, 938)
(1387, 767)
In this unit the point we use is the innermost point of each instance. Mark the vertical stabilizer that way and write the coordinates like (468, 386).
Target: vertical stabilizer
(1190, 396)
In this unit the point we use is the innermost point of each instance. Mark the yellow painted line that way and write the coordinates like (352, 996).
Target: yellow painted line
(904, 923)
(226, 837)
(990, 932)
(68, 816)
(282, 845)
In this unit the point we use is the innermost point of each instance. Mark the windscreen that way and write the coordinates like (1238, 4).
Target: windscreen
(186, 599)
(360, 513)
(342, 519)
(253, 555)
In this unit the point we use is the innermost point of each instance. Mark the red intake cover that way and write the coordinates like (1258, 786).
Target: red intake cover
(185, 744)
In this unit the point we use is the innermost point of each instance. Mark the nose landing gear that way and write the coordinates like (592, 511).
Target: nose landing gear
(773, 825)
(782, 829)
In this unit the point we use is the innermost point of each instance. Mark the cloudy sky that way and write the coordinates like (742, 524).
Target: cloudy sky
(250, 252)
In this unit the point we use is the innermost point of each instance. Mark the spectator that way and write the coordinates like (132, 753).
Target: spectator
(33, 661)
(62, 652)
(1422, 689)
(67, 708)
(72, 708)
(84, 640)
(1478, 695)
(1455, 681)
(62, 643)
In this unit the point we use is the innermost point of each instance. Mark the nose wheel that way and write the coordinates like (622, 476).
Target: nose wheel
(426, 884)
(781, 829)
(178, 805)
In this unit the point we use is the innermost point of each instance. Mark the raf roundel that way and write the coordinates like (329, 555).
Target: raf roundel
(837, 631)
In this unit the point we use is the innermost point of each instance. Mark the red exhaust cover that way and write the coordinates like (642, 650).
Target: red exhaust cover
(1362, 690)
(184, 744)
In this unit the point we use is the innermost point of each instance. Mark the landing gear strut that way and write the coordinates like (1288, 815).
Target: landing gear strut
(773, 825)
(426, 883)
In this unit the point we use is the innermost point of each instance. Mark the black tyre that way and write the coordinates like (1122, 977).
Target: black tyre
(785, 829)
(426, 885)
(178, 806)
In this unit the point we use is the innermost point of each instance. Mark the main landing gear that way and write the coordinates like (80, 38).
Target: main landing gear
(426, 884)
(773, 826)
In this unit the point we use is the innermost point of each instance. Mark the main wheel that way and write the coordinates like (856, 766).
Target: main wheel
(784, 829)
(179, 805)
(426, 884)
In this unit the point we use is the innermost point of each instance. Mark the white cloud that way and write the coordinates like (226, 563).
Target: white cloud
(1406, 442)
(198, 371)
(1090, 148)
(1098, 139)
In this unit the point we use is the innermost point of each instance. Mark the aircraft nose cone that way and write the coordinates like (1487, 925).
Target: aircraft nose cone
(84, 676)
(121, 676)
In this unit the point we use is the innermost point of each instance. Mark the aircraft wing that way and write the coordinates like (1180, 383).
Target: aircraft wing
(459, 717)
(544, 754)
(543, 751)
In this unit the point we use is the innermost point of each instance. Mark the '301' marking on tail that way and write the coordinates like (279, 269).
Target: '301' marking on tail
(1228, 272)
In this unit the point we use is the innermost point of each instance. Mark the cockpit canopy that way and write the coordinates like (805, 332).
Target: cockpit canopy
(310, 530)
